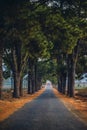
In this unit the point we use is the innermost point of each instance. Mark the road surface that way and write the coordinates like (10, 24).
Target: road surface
(44, 113)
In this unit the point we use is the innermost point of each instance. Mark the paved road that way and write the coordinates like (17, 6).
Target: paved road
(44, 113)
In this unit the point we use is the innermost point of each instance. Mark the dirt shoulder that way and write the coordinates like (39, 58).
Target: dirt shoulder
(9, 106)
(77, 105)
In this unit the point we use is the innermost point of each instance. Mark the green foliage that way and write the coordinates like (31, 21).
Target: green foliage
(43, 31)
(48, 70)
(81, 65)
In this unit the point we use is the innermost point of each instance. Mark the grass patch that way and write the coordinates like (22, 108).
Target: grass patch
(82, 92)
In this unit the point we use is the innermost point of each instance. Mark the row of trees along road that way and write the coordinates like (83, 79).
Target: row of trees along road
(33, 30)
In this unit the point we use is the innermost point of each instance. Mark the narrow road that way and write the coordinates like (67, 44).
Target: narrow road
(44, 113)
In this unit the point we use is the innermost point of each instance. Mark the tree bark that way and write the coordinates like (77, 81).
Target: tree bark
(64, 85)
(69, 74)
(36, 87)
(29, 82)
(21, 87)
(61, 84)
(72, 79)
(16, 52)
(29, 77)
(72, 60)
(16, 93)
(59, 76)
(1, 77)
(33, 78)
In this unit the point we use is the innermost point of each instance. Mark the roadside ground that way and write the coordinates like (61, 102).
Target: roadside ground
(9, 105)
(77, 105)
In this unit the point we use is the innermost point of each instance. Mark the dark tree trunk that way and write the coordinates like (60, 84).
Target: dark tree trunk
(16, 93)
(72, 60)
(16, 52)
(61, 84)
(18, 83)
(29, 82)
(69, 74)
(36, 87)
(33, 78)
(39, 82)
(1, 77)
(59, 76)
(58, 79)
(12, 64)
(72, 79)
(21, 87)
(64, 85)
(29, 76)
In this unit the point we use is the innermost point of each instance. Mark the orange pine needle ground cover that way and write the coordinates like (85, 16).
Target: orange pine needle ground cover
(8, 107)
(77, 105)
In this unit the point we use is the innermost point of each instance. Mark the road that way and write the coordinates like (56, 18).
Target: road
(44, 113)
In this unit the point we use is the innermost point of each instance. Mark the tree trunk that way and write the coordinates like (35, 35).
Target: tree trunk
(29, 82)
(33, 78)
(36, 87)
(69, 74)
(1, 77)
(58, 78)
(64, 85)
(72, 79)
(29, 77)
(72, 60)
(16, 93)
(39, 82)
(16, 52)
(21, 87)
(61, 84)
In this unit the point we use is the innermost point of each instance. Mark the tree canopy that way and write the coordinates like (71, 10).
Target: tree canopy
(35, 29)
